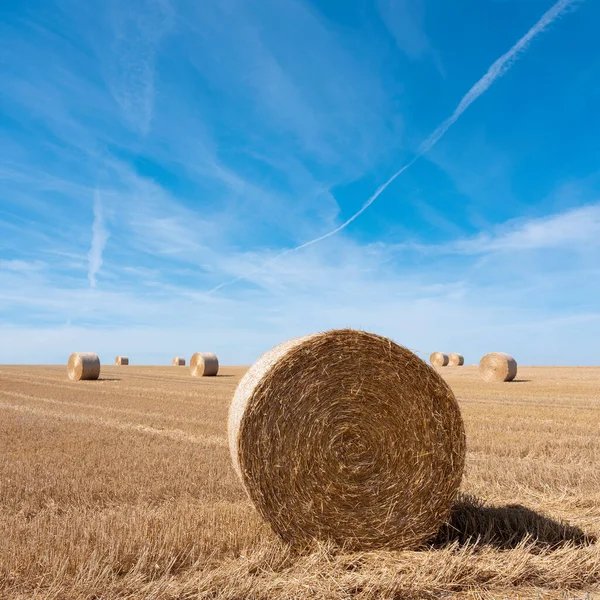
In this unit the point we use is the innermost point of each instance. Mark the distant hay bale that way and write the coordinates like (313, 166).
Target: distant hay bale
(204, 364)
(179, 361)
(121, 360)
(456, 360)
(438, 359)
(346, 436)
(83, 365)
(498, 366)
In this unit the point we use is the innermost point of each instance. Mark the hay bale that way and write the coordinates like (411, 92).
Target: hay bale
(179, 361)
(83, 365)
(438, 359)
(498, 366)
(121, 360)
(455, 360)
(346, 436)
(204, 364)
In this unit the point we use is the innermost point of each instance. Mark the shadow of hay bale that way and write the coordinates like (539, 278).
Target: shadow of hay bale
(505, 527)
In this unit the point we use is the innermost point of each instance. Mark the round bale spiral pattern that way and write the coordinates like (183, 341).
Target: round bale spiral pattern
(83, 365)
(204, 364)
(438, 359)
(498, 366)
(347, 437)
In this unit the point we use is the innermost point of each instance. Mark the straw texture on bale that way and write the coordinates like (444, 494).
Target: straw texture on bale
(456, 360)
(83, 365)
(438, 359)
(121, 360)
(347, 437)
(204, 364)
(498, 366)
(179, 361)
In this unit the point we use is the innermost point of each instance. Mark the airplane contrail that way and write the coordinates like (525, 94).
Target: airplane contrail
(498, 68)
(99, 238)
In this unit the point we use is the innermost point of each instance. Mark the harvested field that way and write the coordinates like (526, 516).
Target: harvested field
(123, 488)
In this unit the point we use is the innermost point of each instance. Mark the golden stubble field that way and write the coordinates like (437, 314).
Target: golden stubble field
(123, 488)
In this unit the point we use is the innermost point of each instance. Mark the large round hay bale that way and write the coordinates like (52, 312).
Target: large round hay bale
(83, 365)
(204, 364)
(498, 366)
(179, 361)
(346, 436)
(438, 359)
(121, 360)
(455, 360)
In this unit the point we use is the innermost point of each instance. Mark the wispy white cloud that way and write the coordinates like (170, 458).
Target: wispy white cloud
(138, 28)
(352, 286)
(576, 229)
(405, 20)
(317, 124)
(365, 286)
(21, 266)
(99, 238)
(330, 110)
(498, 68)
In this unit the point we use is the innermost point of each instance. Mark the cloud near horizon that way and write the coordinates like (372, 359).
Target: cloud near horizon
(349, 285)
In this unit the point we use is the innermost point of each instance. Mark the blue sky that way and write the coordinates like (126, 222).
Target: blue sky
(161, 160)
